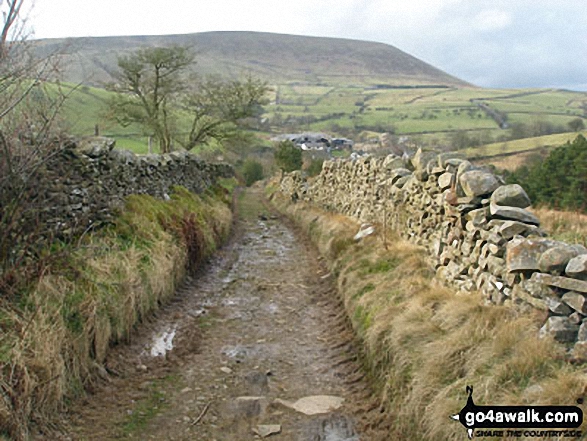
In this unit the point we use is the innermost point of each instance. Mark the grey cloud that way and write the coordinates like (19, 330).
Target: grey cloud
(497, 43)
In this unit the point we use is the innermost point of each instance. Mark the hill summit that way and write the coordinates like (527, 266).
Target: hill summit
(276, 58)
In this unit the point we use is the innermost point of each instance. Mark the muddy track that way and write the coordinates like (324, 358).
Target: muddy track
(230, 357)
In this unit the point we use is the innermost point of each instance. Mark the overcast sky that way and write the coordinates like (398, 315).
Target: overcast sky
(492, 43)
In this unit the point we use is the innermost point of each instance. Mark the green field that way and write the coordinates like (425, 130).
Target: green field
(510, 155)
(431, 116)
(411, 111)
(522, 145)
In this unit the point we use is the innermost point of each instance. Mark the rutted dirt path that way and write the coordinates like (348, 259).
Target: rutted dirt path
(259, 330)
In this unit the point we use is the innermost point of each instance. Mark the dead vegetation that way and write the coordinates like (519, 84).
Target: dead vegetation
(425, 343)
(55, 334)
(566, 226)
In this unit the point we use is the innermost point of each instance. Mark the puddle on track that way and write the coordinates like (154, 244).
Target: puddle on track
(163, 342)
(262, 324)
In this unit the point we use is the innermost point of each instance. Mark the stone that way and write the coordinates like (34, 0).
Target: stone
(436, 171)
(579, 352)
(510, 228)
(472, 229)
(519, 293)
(576, 318)
(512, 278)
(511, 195)
(421, 159)
(467, 200)
(450, 197)
(392, 162)
(576, 301)
(478, 183)
(567, 283)
(557, 306)
(478, 217)
(580, 249)
(445, 180)
(95, 147)
(538, 290)
(524, 254)
(265, 430)
(401, 182)
(496, 250)
(560, 328)
(555, 260)
(495, 264)
(364, 231)
(582, 335)
(399, 173)
(513, 213)
(314, 405)
(444, 158)
(465, 208)
(464, 166)
(452, 165)
(437, 247)
(577, 267)
(493, 238)
(421, 174)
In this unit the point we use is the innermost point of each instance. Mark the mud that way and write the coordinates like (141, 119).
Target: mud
(260, 327)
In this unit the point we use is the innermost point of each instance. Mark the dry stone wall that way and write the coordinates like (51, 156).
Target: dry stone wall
(478, 231)
(87, 180)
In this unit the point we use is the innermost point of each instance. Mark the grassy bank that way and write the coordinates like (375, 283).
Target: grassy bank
(424, 343)
(55, 334)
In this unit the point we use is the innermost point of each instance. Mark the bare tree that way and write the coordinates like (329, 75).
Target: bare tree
(148, 85)
(12, 29)
(29, 107)
(216, 108)
(154, 91)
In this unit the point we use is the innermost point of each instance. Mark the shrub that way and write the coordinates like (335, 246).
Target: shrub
(252, 172)
(287, 156)
(315, 167)
(560, 180)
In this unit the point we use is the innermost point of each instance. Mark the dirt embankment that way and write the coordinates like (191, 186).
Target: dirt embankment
(57, 327)
(256, 346)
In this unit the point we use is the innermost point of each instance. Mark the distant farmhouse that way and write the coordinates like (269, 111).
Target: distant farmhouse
(316, 141)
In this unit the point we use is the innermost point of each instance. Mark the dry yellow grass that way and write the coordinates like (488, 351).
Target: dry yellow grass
(512, 162)
(425, 343)
(567, 226)
(55, 337)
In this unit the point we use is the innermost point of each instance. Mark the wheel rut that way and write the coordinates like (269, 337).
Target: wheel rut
(257, 346)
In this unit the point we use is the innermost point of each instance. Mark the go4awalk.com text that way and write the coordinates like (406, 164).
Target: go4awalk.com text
(519, 421)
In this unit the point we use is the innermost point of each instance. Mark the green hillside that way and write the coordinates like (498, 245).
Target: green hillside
(428, 116)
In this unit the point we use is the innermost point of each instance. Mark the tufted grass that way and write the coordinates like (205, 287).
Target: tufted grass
(56, 334)
(424, 343)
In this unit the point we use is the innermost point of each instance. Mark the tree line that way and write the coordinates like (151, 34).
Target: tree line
(560, 180)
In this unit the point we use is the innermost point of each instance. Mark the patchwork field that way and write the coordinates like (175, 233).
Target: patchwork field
(426, 115)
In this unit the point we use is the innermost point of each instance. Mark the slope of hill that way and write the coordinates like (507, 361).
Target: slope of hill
(276, 58)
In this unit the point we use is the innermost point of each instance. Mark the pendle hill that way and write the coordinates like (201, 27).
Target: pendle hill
(354, 89)
(273, 57)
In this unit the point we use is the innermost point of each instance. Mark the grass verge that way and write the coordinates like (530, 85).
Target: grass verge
(55, 335)
(424, 343)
